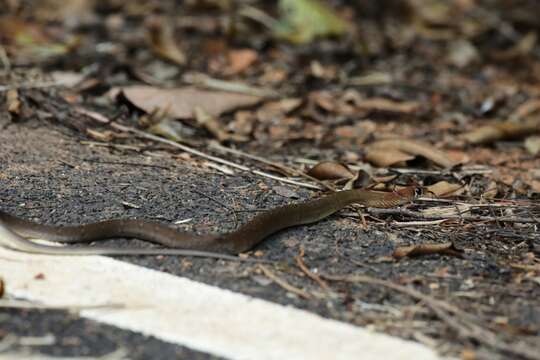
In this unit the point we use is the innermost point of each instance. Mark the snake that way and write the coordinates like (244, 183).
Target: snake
(15, 232)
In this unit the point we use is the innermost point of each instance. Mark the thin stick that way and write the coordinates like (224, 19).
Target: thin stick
(466, 328)
(300, 262)
(285, 285)
(285, 168)
(513, 219)
(29, 86)
(210, 157)
(417, 223)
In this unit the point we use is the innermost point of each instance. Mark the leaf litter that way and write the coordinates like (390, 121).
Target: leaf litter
(409, 96)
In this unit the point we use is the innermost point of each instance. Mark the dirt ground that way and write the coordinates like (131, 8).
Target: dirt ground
(59, 165)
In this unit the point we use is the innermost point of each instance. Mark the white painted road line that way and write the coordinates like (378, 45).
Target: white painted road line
(192, 314)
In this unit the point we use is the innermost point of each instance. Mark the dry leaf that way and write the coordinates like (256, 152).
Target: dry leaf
(330, 170)
(386, 157)
(527, 108)
(1, 287)
(242, 123)
(13, 102)
(69, 79)
(532, 144)
(389, 152)
(386, 105)
(105, 136)
(502, 130)
(427, 249)
(181, 102)
(354, 135)
(162, 41)
(491, 190)
(444, 189)
(240, 60)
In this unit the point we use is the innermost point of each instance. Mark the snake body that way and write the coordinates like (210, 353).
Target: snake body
(14, 231)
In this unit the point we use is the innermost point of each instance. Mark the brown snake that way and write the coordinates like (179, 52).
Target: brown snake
(14, 231)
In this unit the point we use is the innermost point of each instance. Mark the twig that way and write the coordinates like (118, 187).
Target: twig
(418, 215)
(210, 157)
(285, 285)
(127, 163)
(463, 323)
(285, 180)
(114, 146)
(417, 223)
(29, 86)
(300, 262)
(4, 59)
(287, 169)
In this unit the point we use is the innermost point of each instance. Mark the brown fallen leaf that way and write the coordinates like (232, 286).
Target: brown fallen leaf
(529, 107)
(390, 152)
(330, 170)
(502, 130)
(387, 105)
(388, 157)
(240, 60)
(13, 102)
(427, 249)
(1, 287)
(162, 42)
(181, 102)
(443, 189)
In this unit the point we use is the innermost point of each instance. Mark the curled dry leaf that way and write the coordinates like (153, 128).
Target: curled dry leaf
(330, 170)
(427, 249)
(162, 41)
(502, 130)
(181, 102)
(390, 152)
(444, 189)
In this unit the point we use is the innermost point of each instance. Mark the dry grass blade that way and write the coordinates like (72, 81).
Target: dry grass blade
(285, 285)
(300, 262)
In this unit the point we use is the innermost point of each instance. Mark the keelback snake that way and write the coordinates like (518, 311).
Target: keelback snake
(15, 231)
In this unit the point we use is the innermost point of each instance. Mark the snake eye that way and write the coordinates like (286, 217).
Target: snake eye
(418, 192)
